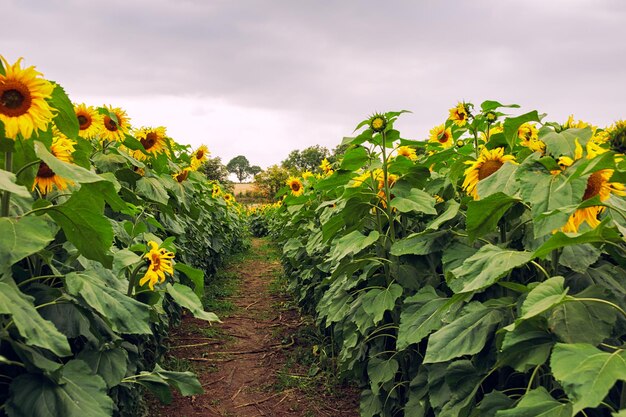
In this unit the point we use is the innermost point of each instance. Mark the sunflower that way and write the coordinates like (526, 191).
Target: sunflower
(153, 140)
(326, 167)
(459, 114)
(379, 176)
(23, 105)
(529, 136)
(116, 124)
(487, 163)
(160, 263)
(229, 199)
(199, 156)
(295, 185)
(378, 122)
(360, 179)
(597, 185)
(441, 134)
(46, 179)
(217, 191)
(485, 136)
(407, 152)
(181, 175)
(89, 121)
(306, 175)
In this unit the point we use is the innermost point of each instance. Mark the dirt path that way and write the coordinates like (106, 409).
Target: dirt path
(255, 362)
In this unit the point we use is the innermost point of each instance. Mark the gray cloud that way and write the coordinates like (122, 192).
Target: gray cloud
(334, 62)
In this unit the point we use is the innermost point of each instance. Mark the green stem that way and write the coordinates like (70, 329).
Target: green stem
(6, 196)
(556, 254)
(476, 143)
(133, 279)
(502, 232)
(541, 268)
(532, 378)
(26, 281)
(28, 165)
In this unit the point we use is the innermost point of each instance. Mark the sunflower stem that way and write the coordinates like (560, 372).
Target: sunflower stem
(26, 166)
(476, 143)
(556, 254)
(6, 195)
(133, 279)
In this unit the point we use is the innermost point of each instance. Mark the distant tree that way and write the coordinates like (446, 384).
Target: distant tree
(309, 159)
(337, 153)
(255, 169)
(240, 166)
(213, 169)
(271, 180)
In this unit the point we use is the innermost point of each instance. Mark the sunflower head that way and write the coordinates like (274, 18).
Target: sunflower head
(229, 199)
(23, 105)
(199, 156)
(182, 175)
(407, 152)
(115, 124)
(159, 263)
(459, 114)
(326, 167)
(378, 122)
(487, 163)
(46, 179)
(296, 186)
(442, 135)
(153, 140)
(89, 121)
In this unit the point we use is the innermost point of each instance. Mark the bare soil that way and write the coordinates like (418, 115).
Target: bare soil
(242, 366)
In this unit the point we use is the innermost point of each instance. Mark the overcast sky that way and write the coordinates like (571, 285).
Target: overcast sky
(261, 78)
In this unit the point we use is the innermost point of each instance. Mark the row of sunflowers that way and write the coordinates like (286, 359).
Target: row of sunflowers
(107, 233)
(479, 272)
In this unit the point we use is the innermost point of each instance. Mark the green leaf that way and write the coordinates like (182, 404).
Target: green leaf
(195, 275)
(586, 373)
(418, 320)
(185, 297)
(543, 297)
(354, 158)
(82, 220)
(7, 183)
(421, 243)
(538, 403)
(527, 346)
(560, 239)
(125, 258)
(110, 364)
(483, 215)
(78, 393)
(380, 372)
(564, 143)
(491, 403)
(511, 124)
(23, 237)
(370, 405)
(501, 181)
(160, 380)
(122, 313)
(451, 211)
(352, 243)
(417, 201)
(489, 105)
(485, 268)
(463, 380)
(68, 171)
(65, 119)
(376, 301)
(30, 325)
(584, 321)
(152, 189)
(466, 335)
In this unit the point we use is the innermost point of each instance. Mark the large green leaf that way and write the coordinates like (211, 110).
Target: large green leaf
(483, 215)
(31, 326)
(82, 220)
(65, 119)
(78, 393)
(381, 371)
(417, 201)
(421, 243)
(538, 403)
(352, 243)
(195, 275)
(486, 267)
(543, 297)
(564, 143)
(450, 213)
(583, 321)
(124, 314)
(501, 181)
(354, 158)
(69, 171)
(466, 335)
(8, 183)
(586, 373)
(185, 297)
(160, 380)
(376, 301)
(511, 124)
(463, 380)
(23, 237)
(560, 239)
(152, 189)
(110, 364)
(527, 346)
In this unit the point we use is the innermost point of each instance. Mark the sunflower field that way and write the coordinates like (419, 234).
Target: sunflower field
(481, 272)
(106, 233)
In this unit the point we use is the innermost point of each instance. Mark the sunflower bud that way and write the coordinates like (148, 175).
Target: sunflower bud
(491, 117)
(618, 137)
(378, 123)
(460, 143)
